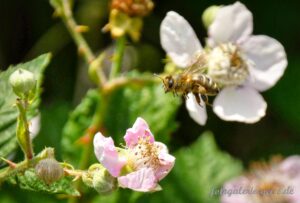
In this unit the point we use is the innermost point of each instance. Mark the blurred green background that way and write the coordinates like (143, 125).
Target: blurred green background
(29, 29)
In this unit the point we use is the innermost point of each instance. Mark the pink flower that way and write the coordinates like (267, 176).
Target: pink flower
(142, 164)
(241, 63)
(277, 182)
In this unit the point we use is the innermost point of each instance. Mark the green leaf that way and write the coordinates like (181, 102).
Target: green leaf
(9, 113)
(122, 107)
(148, 101)
(79, 120)
(30, 181)
(198, 169)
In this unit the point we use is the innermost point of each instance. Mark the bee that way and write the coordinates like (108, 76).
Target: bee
(192, 80)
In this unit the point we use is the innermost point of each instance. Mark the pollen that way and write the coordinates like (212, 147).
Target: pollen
(227, 66)
(144, 154)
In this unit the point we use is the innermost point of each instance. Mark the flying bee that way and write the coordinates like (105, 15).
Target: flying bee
(192, 80)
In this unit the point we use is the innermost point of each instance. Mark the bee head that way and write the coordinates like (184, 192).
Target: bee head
(168, 83)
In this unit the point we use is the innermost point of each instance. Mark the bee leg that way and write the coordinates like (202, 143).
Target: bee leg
(205, 99)
(174, 94)
(197, 96)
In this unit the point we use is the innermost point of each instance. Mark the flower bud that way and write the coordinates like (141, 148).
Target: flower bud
(23, 82)
(98, 178)
(209, 15)
(49, 170)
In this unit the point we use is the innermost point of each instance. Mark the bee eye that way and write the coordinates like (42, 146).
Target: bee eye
(170, 83)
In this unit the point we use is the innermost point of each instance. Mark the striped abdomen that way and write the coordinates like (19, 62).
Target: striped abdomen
(210, 86)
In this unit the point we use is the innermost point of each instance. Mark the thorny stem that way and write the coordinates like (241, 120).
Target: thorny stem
(72, 172)
(83, 47)
(70, 23)
(9, 171)
(118, 57)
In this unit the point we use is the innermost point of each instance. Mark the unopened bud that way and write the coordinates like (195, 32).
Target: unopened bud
(99, 178)
(209, 15)
(23, 82)
(49, 170)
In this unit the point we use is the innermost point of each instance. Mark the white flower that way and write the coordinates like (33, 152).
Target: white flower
(243, 63)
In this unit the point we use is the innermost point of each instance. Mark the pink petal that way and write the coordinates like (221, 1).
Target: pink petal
(140, 129)
(291, 166)
(242, 104)
(235, 185)
(107, 154)
(178, 39)
(196, 112)
(142, 180)
(269, 59)
(167, 162)
(233, 23)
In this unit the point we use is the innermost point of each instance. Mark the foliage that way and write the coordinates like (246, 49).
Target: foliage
(144, 100)
(30, 181)
(9, 113)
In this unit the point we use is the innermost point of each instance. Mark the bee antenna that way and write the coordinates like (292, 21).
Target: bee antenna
(156, 75)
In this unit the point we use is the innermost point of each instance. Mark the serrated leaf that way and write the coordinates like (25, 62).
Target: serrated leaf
(198, 169)
(30, 181)
(122, 108)
(8, 113)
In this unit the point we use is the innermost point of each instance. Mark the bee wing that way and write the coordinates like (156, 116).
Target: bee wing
(198, 66)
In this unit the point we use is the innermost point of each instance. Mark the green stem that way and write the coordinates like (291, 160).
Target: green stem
(78, 38)
(83, 47)
(23, 134)
(88, 150)
(118, 57)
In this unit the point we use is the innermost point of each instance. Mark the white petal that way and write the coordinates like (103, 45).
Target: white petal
(233, 23)
(242, 104)
(178, 39)
(269, 60)
(34, 126)
(196, 112)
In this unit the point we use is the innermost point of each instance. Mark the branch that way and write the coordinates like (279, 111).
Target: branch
(65, 12)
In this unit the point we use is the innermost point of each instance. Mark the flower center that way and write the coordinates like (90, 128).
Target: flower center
(144, 154)
(227, 66)
(268, 182)
(270, 191)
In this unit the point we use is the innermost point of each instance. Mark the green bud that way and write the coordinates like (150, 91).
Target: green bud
(209, 15)
(87, 178)
(49, 170)
(99, 178)
(23, 83)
